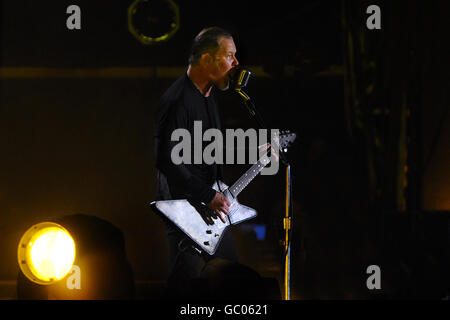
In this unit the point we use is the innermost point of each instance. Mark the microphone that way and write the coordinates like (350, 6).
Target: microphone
(240, 78)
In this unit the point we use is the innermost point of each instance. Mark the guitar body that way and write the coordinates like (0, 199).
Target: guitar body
(190, 218)
(194, 219)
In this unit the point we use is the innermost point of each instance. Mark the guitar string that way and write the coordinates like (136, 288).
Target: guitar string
(247, 178)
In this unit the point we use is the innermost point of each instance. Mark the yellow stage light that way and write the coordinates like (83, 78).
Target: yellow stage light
(46, 253)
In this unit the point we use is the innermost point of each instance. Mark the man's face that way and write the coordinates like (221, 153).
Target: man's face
(223, 62)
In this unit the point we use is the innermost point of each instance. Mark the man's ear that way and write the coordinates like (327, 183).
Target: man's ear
(206, 59)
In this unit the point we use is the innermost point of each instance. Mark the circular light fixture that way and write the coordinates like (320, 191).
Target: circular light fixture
(46, 253)
(153, 21)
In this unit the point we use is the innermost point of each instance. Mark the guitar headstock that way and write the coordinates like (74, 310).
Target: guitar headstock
(286, 139)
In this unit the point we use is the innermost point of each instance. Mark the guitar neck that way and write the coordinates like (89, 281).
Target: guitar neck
(248, 176)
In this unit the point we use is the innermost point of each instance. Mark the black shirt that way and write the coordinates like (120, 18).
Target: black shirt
(179, 107)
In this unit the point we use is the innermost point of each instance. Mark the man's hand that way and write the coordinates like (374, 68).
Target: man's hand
(220, 204)
(262, 149)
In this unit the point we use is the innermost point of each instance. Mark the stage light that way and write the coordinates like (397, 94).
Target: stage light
(46, 253)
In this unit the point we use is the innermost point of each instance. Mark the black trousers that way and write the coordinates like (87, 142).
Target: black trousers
(185, 263)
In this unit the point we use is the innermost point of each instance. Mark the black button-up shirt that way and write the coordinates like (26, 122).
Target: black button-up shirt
(179, 107)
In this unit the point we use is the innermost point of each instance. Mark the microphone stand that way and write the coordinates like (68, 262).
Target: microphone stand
(287, 220)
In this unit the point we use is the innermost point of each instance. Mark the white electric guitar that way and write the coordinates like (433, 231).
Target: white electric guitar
(194, 219)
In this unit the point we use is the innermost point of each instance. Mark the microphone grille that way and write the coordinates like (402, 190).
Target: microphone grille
(243, 77)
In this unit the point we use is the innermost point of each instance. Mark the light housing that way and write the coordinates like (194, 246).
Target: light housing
(153, 21)
(46, 253)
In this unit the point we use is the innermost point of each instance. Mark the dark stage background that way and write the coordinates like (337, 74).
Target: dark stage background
(371, 165)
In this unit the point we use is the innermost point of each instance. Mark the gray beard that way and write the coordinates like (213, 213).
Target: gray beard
(226, 87)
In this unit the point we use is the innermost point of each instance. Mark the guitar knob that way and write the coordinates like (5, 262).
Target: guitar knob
(208, 231)
(206, 243)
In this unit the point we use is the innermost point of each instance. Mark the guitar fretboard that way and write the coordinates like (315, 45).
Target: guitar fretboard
(248, 176)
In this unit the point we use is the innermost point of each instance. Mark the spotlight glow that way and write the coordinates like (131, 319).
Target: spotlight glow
(46, 253)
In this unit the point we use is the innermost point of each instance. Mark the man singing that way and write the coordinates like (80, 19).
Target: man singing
(191, 98)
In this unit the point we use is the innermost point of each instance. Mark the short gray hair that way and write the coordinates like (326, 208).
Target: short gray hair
(207, 41)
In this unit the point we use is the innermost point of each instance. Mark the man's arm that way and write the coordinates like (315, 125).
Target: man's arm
(178, 118)
(180, 174)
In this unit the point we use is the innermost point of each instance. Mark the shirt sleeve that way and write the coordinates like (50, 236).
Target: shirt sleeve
(178, 118)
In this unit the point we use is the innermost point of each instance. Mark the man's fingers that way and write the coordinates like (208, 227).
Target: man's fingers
(275, 154)
(263, 148)
(220, 216)
(226, 203)
(224, 209)
(225, 206)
